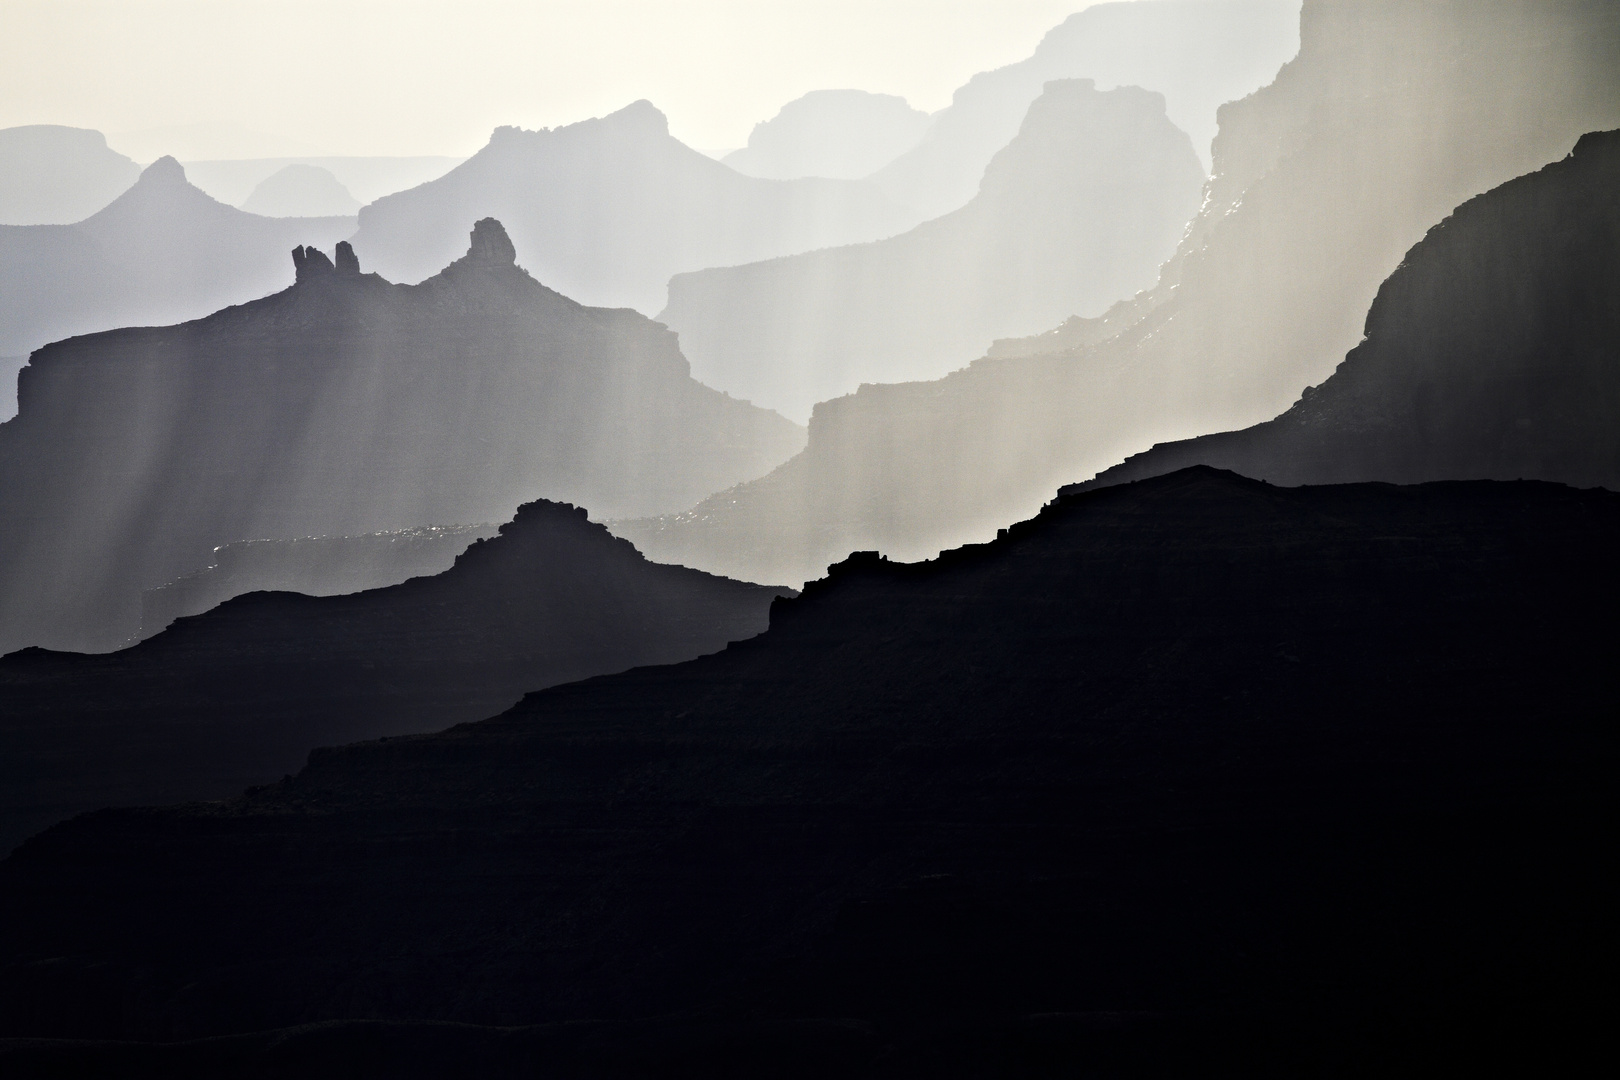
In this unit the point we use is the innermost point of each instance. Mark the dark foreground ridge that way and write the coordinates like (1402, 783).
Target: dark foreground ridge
(1189, 776)
(240, 695)
(1490, 353)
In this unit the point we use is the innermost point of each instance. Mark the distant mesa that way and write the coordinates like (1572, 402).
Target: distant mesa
(1198, 53)
(842, 134)
(608, 209)
(51, 175)
(1077, 212)
(345, 405)
(161, 252)
(301, 191)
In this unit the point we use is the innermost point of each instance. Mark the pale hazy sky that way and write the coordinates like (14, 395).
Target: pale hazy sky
(250, 78)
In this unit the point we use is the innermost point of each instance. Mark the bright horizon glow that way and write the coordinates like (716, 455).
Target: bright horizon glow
(263, 78)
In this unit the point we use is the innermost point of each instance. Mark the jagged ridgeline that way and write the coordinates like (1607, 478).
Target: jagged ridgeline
(344, 405)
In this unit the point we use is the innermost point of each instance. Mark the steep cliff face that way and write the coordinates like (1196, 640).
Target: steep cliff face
(1493, 352)
(606, 210)
(163, 251)
(241, 694)
(1314, 765)
(838, 134)
(1077, 212)
(1392, 114)
(344, 405)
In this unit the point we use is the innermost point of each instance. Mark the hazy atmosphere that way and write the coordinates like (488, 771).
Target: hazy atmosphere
(699, 538)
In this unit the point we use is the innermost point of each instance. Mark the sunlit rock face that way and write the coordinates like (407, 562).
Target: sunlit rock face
(161, 252)
(1391, 116)
(241, 694)
(1489, 354)
(1077, 212)
(344, 405)
(606, 210)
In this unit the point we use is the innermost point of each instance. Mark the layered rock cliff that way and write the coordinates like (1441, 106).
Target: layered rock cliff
(1392, 115)
(343, 405)
(1077, 212)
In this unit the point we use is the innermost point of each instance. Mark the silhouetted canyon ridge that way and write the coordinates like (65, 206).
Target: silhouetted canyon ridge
(1275, 777)
(240, 695)
(342, 406)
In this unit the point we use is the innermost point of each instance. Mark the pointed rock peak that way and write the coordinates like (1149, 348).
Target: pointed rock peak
(348, 263)
(165, 170)
(310, 263)
(642, 116)
(490, 245)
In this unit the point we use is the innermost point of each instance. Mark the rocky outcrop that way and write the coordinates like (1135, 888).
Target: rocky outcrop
(1490, 353)
(344, 405)
(1391, 116)
(606, 210)
(1195, 776)
(1077, 212)
(162, 252)
(240, 695)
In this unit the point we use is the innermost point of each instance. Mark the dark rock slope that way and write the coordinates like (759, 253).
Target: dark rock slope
(607, 209)
(344, 405)
(1493, 352)
(1276, 781)
(161, 252)
(1392, 115)
(239, 695)
(1077, 212)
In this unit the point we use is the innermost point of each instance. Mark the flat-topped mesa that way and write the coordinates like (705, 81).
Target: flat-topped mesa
(311, 262)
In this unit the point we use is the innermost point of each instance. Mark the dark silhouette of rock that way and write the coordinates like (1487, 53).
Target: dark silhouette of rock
(1391, 116)
(839, 134)
(51, 175)
(606, 210)
(1198, 54)
(1078, 211)
(241, 694)
(344, 405)
(312, 565)
(160, 253)
(301, 190)
(1489, 353)
(1194, 776)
